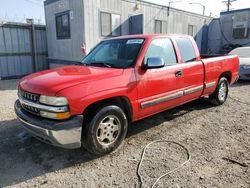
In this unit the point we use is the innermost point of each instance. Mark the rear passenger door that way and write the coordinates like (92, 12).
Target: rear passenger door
(191, 67)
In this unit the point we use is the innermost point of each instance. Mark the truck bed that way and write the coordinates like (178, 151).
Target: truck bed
(205, 56)
(214, 65)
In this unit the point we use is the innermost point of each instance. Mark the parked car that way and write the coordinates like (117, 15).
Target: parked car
(244, 58)
(120, 81)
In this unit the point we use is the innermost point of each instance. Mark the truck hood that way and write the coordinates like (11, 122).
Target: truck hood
(49, 82)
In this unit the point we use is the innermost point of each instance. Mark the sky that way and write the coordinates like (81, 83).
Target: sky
(18, 10)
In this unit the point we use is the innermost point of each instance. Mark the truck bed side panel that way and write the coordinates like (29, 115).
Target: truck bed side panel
(215, 67)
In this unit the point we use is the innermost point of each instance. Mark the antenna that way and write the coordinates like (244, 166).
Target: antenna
(228, 3)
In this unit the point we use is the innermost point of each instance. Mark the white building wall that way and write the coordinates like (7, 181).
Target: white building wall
(85, 26)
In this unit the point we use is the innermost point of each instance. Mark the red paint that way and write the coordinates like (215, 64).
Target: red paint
(85, 85)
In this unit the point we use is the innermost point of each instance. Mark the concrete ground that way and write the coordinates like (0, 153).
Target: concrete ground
(218, 139)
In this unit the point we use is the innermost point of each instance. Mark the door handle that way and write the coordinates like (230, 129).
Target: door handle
(178, 73)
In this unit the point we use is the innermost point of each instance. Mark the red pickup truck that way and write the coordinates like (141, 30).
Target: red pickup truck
(121, 80)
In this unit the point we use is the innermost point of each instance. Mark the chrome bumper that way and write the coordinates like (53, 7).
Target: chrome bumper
(65, 134)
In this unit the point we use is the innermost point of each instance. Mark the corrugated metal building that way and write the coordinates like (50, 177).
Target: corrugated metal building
(229, 31)
(23, 49)
(70, 23)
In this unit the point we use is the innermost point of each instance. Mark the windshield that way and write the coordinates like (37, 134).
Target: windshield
(117, 53)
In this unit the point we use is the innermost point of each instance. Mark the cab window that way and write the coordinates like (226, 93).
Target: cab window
(186, 49)
(162, 48)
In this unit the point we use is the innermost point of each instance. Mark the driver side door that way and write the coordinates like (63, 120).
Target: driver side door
(160, 88)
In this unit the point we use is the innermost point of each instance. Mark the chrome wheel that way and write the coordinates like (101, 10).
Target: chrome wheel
(222, 91)
(108, 130)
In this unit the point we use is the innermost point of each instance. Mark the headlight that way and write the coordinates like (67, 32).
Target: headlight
(52, 115)
(53, 101)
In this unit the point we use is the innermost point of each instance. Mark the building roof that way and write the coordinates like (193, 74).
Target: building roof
(233, 11)
(47, 2)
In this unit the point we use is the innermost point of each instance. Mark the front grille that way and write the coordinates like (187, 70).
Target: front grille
(28, 96)
(30, 109)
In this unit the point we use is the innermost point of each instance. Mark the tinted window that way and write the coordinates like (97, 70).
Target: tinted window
(62, 26)
(119, 53)
(186, 49)
(162, 48)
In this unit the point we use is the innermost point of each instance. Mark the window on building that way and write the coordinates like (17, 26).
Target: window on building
(160, 26)
(110, 24)
(63, 25)
(191, 29)
(186, 49)
(162, 48)
(240, 33)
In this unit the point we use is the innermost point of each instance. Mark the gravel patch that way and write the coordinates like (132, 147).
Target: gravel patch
(209, 133)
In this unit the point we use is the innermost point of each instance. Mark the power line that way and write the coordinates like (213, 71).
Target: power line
(40, 1)
(35, 3)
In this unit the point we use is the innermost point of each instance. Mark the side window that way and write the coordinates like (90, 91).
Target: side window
(110, 24)
(162, 48)
(186, 49)
(160, 26)
(62, 25)
(191, 30)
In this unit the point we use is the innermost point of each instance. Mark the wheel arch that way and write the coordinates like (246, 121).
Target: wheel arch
(121, 101)
(227, 75)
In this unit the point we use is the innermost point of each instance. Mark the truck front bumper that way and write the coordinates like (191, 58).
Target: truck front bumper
(65, 134)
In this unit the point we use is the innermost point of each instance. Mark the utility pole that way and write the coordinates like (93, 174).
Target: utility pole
(171, 2)
(228, 3)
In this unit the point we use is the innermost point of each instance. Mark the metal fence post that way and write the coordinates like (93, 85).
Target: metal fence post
(33, 44)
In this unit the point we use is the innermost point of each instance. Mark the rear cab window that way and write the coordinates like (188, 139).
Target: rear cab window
(186, 49)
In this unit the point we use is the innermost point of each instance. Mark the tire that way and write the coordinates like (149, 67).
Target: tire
(221, 93)
(105, 130)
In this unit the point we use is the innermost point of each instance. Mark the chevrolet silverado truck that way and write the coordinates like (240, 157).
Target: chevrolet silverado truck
(122, 80)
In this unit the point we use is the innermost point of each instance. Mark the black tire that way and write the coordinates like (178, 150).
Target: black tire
(217, 98)
(96, 127)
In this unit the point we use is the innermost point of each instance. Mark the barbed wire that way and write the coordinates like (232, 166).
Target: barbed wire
(19, 19)
(22, 19)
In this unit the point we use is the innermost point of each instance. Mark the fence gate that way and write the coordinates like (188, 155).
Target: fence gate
(23, 49)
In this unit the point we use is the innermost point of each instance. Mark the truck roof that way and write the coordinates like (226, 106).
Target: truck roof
(148, 36)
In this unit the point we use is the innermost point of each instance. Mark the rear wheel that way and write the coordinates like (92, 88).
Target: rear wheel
(105, 130)
(221, 92)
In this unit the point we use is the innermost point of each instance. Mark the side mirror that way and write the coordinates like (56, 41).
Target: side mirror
(154, 63)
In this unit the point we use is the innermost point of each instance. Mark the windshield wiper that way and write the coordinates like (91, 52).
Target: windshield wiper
(100, 63)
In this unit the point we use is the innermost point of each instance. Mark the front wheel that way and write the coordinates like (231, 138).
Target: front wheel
(105, 130)
(221, 92)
